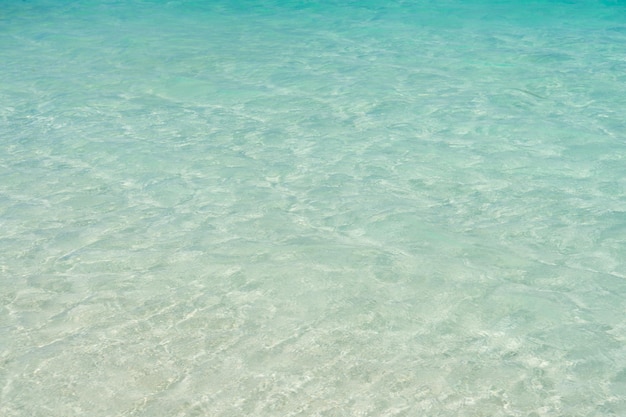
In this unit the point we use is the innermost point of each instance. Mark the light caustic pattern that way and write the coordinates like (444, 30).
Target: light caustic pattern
(312, 208)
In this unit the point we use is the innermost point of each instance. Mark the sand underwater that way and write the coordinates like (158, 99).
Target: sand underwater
(313, 208)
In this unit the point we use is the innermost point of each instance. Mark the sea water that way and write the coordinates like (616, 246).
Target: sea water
(312, 208)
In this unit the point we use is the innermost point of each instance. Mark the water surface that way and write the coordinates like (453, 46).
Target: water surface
(320, 208)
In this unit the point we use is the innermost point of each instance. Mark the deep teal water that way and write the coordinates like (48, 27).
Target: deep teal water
(313, 208)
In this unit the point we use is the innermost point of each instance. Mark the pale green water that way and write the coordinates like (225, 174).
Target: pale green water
(247, 208)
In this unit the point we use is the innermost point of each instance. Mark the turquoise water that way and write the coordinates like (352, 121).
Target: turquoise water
(313, 208)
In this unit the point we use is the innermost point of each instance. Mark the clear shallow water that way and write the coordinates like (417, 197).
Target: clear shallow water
(313, 208)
